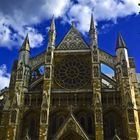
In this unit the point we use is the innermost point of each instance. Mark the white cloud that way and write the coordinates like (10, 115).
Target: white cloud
(102, 10)
(4, 77)
(19, 16)
(79, 13)
(55, 7)
(12, 34)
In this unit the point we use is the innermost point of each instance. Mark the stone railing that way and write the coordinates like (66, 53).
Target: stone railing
(33, 100)
(111, 99)
(71, 99)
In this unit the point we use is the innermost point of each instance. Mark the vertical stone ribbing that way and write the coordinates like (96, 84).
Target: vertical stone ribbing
(45, 107)
(96, 82)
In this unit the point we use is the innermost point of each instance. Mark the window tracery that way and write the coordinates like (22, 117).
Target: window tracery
(72, 73)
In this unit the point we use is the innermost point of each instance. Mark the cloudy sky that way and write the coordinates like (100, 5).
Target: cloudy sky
(17, 18)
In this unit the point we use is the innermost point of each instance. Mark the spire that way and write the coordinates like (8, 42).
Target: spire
(92, 32)
(92, 24)
(26, 44)
(52, 27)
(52, 33)
(120, 42)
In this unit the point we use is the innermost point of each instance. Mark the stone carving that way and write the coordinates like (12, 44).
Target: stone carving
(95, 54)
(44, 116)
(20, 71)
(98, 116)
(96, 71)
(71, 125)
(47, 72)
(17, 95)
(45, 99)
(97, 94)
(124, 68)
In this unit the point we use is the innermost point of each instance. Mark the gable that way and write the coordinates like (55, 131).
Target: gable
(72, 41)
(71, 125)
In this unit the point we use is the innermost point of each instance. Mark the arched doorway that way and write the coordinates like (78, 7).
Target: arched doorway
(71, 136)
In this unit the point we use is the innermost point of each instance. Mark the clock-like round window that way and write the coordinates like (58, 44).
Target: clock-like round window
(72, 73)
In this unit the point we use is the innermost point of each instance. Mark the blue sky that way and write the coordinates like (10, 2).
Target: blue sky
(17, 18)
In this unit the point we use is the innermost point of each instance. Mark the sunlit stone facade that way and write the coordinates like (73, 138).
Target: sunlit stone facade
(63, 94)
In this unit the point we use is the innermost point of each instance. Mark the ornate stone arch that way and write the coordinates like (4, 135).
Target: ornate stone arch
(70, 126)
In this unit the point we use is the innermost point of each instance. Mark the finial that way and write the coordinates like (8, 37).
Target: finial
(73, 23)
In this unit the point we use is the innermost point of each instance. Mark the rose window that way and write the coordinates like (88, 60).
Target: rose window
(72, 72)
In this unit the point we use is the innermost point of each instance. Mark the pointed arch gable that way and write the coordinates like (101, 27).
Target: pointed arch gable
(72, 41)
(71, 125)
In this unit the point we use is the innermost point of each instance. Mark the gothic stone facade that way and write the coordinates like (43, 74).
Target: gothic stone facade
(61, 94)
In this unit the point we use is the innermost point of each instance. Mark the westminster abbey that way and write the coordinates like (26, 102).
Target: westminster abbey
(62, 93)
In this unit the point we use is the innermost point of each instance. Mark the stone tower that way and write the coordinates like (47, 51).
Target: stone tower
(62, 93)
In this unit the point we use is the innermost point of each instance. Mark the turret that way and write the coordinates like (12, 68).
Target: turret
(52, 34)
(23, 69)
(126, 88)
(93, 33)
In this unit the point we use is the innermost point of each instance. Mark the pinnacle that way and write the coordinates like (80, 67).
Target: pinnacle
(92, 24)
(26, 44)
(52, 27)
(120, 42)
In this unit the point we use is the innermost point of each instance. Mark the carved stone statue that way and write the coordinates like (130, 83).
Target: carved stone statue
(17, 95)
